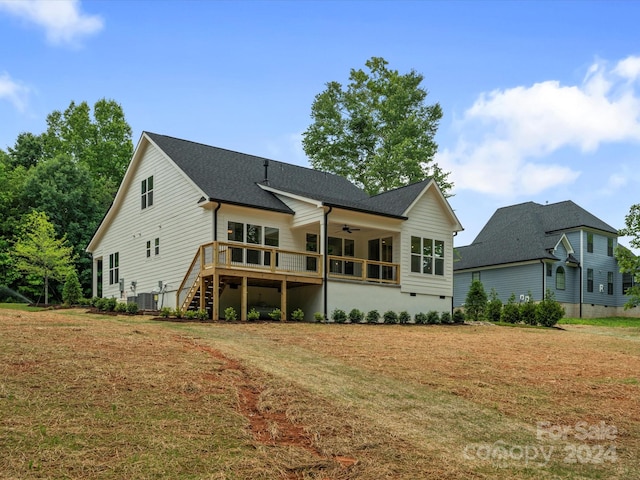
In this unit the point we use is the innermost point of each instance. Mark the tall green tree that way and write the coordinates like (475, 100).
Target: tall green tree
(66, 191)
(27, 151)
(39, 253)
(475, 305)
(627, 260)
(102, 143)
(378, 131)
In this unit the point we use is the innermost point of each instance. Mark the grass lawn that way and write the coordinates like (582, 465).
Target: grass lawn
(19, 306)
(97, 396)
(603, 322)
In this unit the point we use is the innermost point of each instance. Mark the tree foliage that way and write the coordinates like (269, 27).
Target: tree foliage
(628, 262)
(378, 131)
(475, 304)
(39, 253)
(494, 306)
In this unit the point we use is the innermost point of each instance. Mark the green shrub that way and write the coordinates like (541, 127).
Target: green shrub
(120, 307)
(404, 317)
(178, 313)
(390, 317)
(72, 291)
(230, 314)
(110, 304)
(202, 315)
(458, 316)
(511, 310)
(433, 318)
(94, 301)
(373, 316)
(339, 316)
(297, 315)
(476, 302)
(356, 316)
(420, 318)
(85, 302)
(132, 308)
(494, 307)
(528, 311)
(319, 317)
(253, 315)
(549, 310)
(100, 304)
(165, 312)
(276, 314)
(445, 318)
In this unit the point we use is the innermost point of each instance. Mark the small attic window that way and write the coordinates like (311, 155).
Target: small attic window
(146, 191)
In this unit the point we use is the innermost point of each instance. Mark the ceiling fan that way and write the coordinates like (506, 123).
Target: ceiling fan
(349, 229)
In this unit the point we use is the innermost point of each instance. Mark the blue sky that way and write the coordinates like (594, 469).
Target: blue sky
(541, 100)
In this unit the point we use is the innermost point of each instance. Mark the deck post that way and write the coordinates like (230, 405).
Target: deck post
(216, 297)
(243, 302)
(283, 300)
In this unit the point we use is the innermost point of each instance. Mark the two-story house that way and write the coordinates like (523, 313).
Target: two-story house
(200, 227)
(529, 248)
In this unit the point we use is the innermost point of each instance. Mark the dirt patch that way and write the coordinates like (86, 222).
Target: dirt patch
(268, 427)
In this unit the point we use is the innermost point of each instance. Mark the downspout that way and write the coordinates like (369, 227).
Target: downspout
(544, 279)
(215, 222)
(326, 260)
(580, 269)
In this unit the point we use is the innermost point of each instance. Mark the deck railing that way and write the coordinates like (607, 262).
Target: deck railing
(241, 256)
(363, 270)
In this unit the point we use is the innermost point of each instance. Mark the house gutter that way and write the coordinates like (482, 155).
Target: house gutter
(326, 260)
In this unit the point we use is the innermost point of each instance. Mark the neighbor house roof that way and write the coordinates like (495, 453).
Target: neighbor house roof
(525, 232)
(233, 177)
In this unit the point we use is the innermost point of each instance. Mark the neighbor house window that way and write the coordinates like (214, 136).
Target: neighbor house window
(590, 242)
(560, 278)
(148, 248)
(427, 256)
(610, 283)
(589, 279)
(549, 270)
(627, 282)
(610, 247)
(146, 192)
(114, 268)
(475, 276)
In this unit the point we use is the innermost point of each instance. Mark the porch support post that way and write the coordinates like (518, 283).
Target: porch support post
(243, 302)
(216, 296)
(203, 292)
(283, 300)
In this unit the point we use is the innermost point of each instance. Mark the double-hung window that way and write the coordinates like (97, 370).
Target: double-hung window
(114, 268)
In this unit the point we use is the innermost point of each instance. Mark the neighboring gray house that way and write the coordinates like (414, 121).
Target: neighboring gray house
(529, 247)
(200, 227)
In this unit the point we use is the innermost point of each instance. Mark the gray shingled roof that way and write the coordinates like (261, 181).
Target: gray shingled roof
(232, 177)
(524, 232)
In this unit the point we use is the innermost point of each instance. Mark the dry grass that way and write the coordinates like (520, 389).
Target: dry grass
(83, 396)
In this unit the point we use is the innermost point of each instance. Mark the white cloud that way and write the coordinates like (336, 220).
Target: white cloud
(62, 20)
(13, 91)
(506, 134)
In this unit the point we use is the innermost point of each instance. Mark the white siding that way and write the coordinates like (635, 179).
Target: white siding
(174, 218)
(428, 219)
(264, 218)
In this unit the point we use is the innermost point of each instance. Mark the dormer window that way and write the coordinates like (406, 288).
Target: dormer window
(146, 190)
